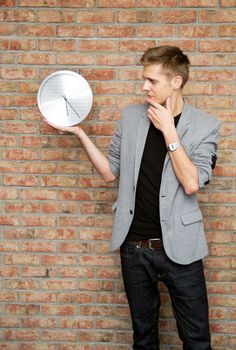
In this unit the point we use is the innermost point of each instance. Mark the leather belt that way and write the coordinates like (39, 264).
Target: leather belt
(153, 243)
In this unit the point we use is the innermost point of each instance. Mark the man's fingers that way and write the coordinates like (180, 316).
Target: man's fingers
(154, 104)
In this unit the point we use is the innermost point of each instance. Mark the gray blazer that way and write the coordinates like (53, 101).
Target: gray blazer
(181, 219)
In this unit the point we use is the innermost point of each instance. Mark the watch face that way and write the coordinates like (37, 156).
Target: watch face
(172, 146)
(65, 98)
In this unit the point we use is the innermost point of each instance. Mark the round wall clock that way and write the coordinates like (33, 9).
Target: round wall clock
(65, 98)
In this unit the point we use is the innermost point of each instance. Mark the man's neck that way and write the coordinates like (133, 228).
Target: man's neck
(177, 105)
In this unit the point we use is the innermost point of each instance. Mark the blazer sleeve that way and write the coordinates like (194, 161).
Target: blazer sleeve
(114, 151)
(204, 155)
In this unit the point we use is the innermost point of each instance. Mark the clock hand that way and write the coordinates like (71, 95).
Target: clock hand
(71, 106)
(66, 105)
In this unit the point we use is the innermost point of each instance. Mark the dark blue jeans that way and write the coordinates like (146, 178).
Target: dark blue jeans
(142, 268)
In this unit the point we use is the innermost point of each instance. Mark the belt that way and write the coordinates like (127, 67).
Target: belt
(153, 243)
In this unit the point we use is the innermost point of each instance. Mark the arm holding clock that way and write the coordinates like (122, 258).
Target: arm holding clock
(97, 158)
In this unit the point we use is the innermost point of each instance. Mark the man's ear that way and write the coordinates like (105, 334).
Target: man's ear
(176, 82)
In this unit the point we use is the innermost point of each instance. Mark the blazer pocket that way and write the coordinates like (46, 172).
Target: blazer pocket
(192, 217)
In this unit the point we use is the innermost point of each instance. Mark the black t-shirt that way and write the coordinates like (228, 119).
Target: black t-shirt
(146, 221)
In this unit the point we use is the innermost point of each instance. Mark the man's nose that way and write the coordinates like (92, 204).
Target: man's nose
(146, 86)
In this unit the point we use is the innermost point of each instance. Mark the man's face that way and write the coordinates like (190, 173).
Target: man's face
(157, 85)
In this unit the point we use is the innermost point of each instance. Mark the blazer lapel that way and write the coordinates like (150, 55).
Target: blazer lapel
(142, 131)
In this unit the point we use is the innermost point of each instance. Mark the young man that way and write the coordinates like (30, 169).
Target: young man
(163, 152)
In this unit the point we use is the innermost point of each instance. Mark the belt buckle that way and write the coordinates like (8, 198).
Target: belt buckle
(151, 240)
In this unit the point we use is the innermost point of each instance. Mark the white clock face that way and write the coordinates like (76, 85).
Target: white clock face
(65, 98)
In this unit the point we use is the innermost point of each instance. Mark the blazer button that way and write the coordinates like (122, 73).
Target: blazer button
(131, 212)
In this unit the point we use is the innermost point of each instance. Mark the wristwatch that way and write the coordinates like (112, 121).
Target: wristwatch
(173, 146)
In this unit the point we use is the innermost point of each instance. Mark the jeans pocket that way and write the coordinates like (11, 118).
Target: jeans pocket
(127, 250)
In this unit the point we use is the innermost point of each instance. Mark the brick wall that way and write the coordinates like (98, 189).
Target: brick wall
(61, 288)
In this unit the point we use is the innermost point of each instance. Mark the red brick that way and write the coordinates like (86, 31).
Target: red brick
(217, 16)
(58, 260)
(150, 31)
(116, 31)
(97, 260)
(9, 246)
(9, 271)
(18, 73)
(198, 3)
(26, 259)
(78, 3)
(9, 3)
(8, 141)
(22, 284)
(76, 31)
(227, 30)
(9, 220)
(17, 16)
(96, 17)
(8, 296)
(178, 16)
(38, 346)
(186, 45)
(197, 31)
(110, 323)
(55, 16)
(96, 285)
(95, 45)
(7, 167)
(219, 46)
(38, 3)
(131, 16)
(9, 322)
(112, 59)
(215, 75)
(160, 3)
(75, 58)
(135, 45)
(36, 58)
(59, 335)
(117, 3)
(227, 3)
(39, 221)
(95, 234)
(7, 86)
(75, 247)
(59, 310)
(20, 180)
(114, 88)
(96, 336)
(36, 30)
(204, 102)
(80, 272)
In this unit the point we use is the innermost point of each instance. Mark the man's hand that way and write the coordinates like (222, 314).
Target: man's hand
(161, 116)
(62, 129)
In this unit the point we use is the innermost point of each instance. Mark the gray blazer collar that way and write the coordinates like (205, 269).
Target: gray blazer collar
(185, 120)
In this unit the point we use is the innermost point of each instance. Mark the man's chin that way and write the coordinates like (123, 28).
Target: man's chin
(154, 99)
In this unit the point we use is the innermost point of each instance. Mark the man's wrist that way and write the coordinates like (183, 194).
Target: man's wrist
(78, 132)
(171, 136)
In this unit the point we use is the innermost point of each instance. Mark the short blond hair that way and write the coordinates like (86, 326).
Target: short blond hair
(172, 59)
